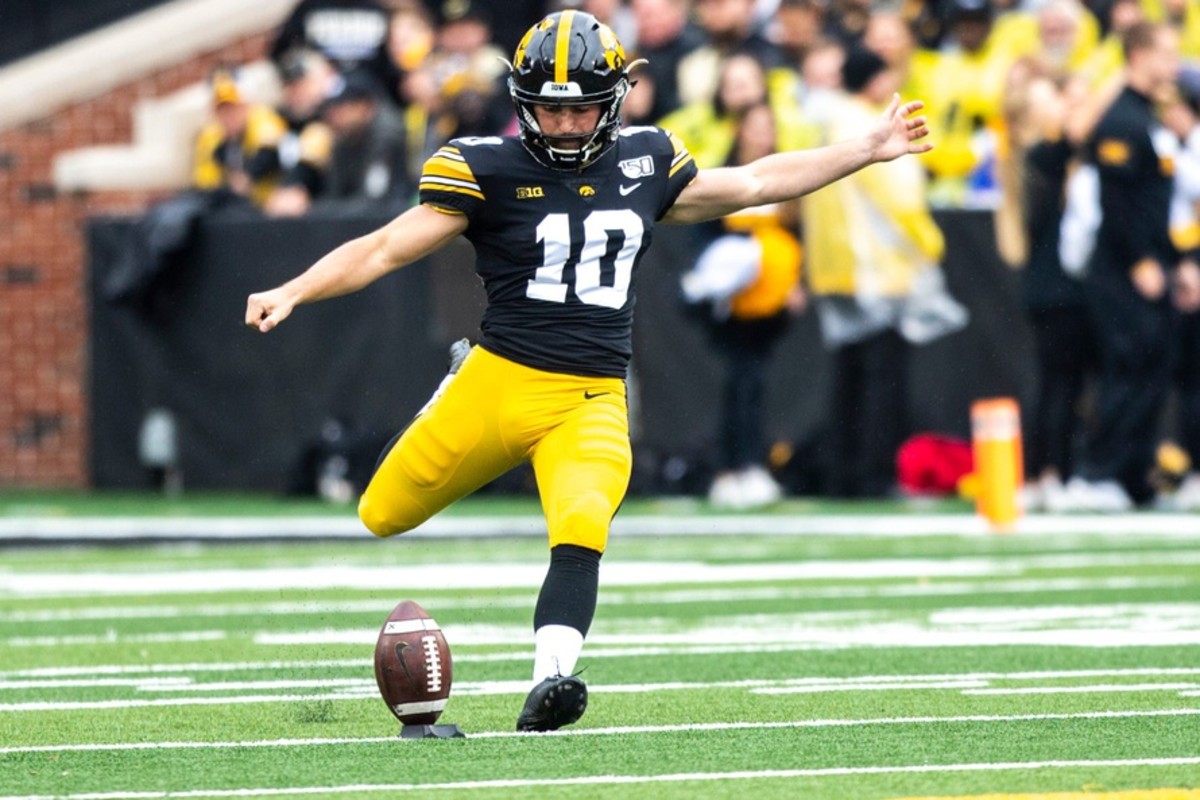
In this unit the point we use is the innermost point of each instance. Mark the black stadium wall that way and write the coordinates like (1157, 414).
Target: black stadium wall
(28, 26)
(250, 409)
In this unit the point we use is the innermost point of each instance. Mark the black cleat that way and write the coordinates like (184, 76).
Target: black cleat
(553, 703)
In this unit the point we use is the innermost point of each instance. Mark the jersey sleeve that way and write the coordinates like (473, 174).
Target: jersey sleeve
(682, 171)
(448, 184)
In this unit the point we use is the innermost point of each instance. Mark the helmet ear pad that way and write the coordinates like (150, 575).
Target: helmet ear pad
(569, 58)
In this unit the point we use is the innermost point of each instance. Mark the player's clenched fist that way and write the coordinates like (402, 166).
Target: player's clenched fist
(265, 310)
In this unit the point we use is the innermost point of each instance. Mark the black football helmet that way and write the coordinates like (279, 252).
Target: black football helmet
(569, 58)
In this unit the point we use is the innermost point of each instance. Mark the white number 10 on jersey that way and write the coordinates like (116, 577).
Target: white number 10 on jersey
(554, 232)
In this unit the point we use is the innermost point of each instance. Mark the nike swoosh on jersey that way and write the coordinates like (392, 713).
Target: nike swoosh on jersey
(624, 190)
(589, 395)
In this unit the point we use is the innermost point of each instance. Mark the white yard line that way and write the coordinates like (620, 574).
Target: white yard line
(618, 780)
(1095, 688)
(609, 597)
(363, 665)
(782, 637)
(112, 637)
(518, 575)
(360, 689)
(615, 731)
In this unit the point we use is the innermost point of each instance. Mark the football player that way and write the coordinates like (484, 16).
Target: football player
(559, 216)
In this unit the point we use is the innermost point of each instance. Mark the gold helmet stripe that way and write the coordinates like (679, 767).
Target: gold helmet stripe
(562, 46)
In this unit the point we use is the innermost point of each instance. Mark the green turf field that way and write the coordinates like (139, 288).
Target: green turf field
(720, 666)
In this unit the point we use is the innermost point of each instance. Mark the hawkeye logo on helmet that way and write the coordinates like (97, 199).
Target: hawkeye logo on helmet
(568, 89)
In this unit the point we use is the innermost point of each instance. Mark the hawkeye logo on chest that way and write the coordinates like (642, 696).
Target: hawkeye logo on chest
(529, 192)
(634, 168)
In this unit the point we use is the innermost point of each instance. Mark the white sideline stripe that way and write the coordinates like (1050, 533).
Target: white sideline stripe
(603, 780)
(614, 731)
(667, 524)
(611, 597)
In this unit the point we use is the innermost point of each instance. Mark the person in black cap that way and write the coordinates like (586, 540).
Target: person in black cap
(507, 26)
(369, 152)
(305, 148)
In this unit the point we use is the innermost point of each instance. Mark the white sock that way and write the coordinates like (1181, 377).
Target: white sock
(556, 649)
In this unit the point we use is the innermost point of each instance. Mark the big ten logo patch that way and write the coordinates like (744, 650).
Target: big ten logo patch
(529, 192)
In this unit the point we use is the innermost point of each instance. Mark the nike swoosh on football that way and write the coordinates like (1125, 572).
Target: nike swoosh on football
(624, 190)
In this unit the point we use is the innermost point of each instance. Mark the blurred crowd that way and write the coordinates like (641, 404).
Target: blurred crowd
(406, 75)
(1014, 90)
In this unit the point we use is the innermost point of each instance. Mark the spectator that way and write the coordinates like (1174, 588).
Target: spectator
(1059, 32)
(351, 34)
(305, 147)
(508, 20)
(889, 36)
(411, 37)
(965, 87)
(872, 267)
(665, 37)
(732, 30)
(1182, 117)
(1127, 277)
(846, 20)
(749, 276)
(821, 82)
(613, 13)
(1183, 16)
(368, 161)
(237, 151)
(709, 127)
(1103, 67)
(459, 89)
(1054, 303)
(470, 72)
(799, 25)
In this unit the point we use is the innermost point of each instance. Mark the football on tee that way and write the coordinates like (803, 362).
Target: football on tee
(412, 665)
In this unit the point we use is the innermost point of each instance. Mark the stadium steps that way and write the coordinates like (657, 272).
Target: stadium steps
(97, 62)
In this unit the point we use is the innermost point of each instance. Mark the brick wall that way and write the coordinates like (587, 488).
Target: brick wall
(43, 278)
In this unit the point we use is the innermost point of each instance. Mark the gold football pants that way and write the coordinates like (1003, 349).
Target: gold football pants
(493, 415)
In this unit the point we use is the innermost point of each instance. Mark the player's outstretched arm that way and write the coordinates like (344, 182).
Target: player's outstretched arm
(786, 176)
(409, 237)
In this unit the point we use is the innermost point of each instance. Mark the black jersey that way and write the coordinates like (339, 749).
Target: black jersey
(1134, 154)
(558, 251)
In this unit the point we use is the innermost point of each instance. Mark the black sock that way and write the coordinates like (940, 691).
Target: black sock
(568, 595)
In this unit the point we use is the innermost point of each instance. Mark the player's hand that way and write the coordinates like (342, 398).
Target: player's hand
(899, 133)
(1187, 287)
(1149, 279)
(265, 310)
